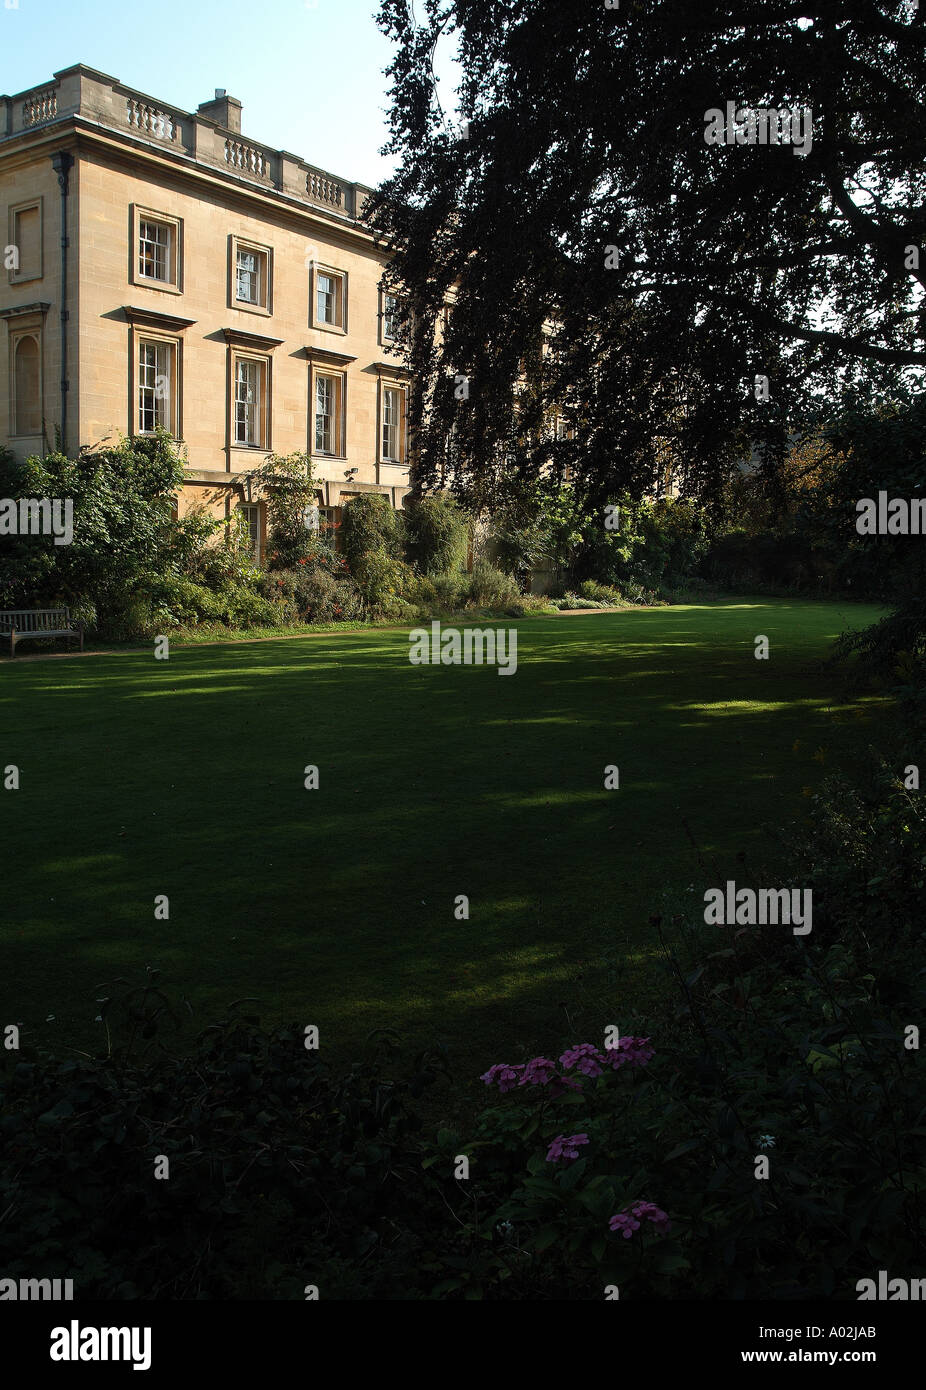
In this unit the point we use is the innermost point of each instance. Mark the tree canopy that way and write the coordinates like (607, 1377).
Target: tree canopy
(575, 186)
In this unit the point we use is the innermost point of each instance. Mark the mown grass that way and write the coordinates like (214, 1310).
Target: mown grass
(335, 907)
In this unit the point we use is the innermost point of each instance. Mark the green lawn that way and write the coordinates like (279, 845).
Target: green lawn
(336, 907)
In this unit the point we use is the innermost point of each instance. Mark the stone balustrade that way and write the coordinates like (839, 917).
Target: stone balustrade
(321, 189)
(83, 93)
(150, 120)
(39, 106)
(247, 159)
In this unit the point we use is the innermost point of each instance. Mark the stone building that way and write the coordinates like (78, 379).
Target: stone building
(162, 269)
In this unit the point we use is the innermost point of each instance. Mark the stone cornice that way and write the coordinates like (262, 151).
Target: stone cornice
(339, 359)
(20, 310)
(154, 318)
(238, 337)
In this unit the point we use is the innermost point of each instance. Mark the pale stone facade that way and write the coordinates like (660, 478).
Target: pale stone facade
(209, 283)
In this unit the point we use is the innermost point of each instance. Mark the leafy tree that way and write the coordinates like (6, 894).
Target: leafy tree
(581, 192)
(123, 499)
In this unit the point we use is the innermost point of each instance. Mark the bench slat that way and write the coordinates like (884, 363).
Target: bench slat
(22, 623)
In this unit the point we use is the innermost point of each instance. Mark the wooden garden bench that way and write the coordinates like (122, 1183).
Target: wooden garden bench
(21, 623)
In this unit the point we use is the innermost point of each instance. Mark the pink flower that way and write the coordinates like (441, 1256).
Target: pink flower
(538, 1072)
(625, 1224)
(634, 1052)
(629, 1220)
(647, 1211)
(562, 1147)
(506, 1077)
(585, 1058)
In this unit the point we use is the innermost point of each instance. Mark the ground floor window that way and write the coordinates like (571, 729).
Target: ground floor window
(330, 526)
(251, 512)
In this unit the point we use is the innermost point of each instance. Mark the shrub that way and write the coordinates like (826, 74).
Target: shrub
(370, 524)
(602, 593)
(655, 546)
(126, 616)
(530, 603)
(437, 534)
(283, 1171)
(176, 600)
(448, 591)
(287, 485)
(245, 607)
(490, 587)
(311, 594)
(576, 601)
(383, 580)
(799, 1057)
(123, 527)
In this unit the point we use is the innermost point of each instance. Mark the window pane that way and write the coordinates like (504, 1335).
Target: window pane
(325, 387)
(390, 312)
(252, 516)
(249, 382)
(154, 250)
(249, 268)
(155, 362)
(326, 299)
(391, 422)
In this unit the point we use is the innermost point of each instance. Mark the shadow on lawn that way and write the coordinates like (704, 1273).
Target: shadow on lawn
(336, 906)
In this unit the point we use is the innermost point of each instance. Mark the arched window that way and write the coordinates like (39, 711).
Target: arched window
(28, 398)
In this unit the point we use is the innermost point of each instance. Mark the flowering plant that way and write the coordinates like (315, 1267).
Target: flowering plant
(571, 1193)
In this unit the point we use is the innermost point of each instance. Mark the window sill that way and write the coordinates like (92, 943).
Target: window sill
(163, 286)
(247, 308)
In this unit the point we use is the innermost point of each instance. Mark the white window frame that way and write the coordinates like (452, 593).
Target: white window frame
(391, 390)
(338, 414)
(261, 405)
(339, 277)
(385, 315)
(164, 408)
(172, 282)
(155, 243)
(263, 304)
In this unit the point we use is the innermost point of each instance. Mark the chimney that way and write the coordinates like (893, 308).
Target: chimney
(223, 109)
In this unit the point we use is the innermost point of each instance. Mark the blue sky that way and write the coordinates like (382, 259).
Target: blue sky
(308, 72)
